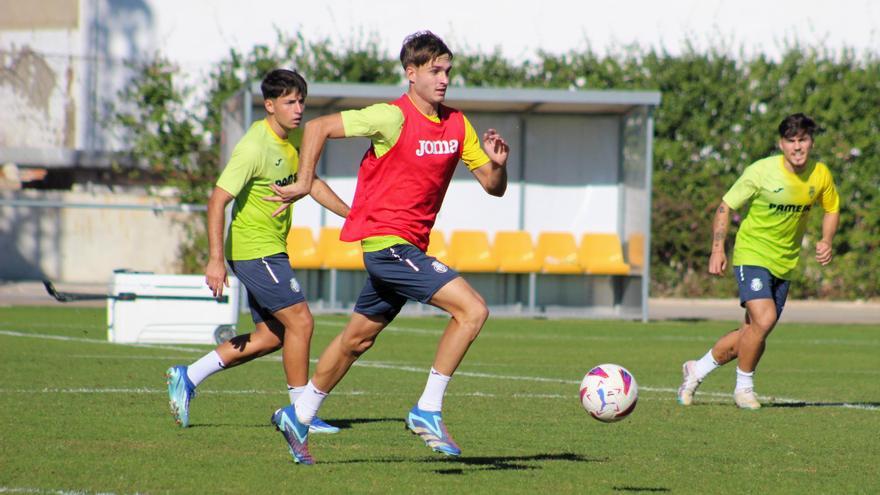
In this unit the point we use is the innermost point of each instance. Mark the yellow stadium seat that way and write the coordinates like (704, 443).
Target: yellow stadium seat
(470, 251)
(635, 250)
(515, 252)
(601, 254)
(302, 250)
(437, 247)
(338, 254)
(557, 252)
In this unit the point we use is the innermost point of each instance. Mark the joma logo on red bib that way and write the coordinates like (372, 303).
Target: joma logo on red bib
(437, 147)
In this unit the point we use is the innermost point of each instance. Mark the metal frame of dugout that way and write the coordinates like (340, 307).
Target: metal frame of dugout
(590, 148)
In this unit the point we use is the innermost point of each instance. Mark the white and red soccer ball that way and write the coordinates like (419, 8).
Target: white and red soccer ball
(609, 392)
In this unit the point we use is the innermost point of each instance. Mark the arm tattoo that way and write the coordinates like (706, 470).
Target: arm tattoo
(721, 209)
(719, 236)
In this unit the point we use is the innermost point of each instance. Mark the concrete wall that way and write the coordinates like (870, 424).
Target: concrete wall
(86, 244)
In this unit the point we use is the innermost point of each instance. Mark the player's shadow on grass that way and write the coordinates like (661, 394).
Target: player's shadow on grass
(686, 319)
(857, 405)
(461, 465)
(345, 424)
(342, 424)
(507, 463)
(639, 489)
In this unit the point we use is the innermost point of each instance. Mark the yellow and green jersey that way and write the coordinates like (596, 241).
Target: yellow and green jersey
(771, 234)
(260, 159)
(382, 123)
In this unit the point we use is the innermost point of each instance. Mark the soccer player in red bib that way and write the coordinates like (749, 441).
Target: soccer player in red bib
(416, 144)
(781, 190)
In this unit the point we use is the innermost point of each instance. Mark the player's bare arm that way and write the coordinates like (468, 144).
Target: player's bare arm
(493, 175)
(326, 197)
(215, 271)
(718, 258)
(824, 250)
(315, 135)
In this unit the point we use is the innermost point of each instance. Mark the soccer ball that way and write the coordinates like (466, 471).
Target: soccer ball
(609, 392)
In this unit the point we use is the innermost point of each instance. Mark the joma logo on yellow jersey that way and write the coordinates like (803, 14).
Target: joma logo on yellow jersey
(290, 179)
(437, 147)
(790, 208)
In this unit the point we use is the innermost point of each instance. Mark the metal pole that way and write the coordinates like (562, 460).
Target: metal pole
(649, 173)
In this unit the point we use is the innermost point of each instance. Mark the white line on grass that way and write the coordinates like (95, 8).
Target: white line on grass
(416, 369)
(668, 393)
(66, 338)
(489, 333)
(49, 491)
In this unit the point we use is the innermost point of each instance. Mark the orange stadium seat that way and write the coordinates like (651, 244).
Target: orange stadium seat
(635, 250)
(338, 254)
(470, 251)
(302, 250)
(601, 254)
(557, 252)
(438, 248)
(515, 252)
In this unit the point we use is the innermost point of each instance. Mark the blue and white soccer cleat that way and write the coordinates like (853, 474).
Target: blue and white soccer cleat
(180, 391)
(320, 426)
(430, 427)
(295, 433)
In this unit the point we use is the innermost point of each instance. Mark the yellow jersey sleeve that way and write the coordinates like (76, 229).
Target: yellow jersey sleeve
(829, 200)
(381, 123)
(472, 153)
(242, 167)
(744, 189)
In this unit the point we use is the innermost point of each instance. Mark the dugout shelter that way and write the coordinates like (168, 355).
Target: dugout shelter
(571, 236)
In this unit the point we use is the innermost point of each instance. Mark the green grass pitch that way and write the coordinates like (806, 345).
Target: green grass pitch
(80, 415)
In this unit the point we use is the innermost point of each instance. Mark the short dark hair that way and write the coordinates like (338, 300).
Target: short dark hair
(282, 82)
(422, 47)
(795, 124)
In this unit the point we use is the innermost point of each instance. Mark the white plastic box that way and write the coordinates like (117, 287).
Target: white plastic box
(174, 309)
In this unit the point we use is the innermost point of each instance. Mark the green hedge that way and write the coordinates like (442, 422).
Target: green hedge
(718, 114)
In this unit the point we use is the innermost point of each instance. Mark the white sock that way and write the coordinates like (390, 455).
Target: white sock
(295, 392)
(432, 397)
(308, 403)
(705, 365)
(209, 364)
(744, 380)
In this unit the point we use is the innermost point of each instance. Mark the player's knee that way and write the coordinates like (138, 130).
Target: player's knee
(764, 323)
(474, 316)
(301, 327)
(481, 313)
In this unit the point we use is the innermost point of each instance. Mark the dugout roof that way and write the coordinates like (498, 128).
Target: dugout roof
(353, 95)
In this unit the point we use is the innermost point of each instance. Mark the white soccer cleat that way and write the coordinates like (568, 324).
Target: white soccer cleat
(746, 399)
(689, 383)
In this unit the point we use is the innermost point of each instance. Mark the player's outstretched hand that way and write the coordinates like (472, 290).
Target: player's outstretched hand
(495, 146)
(717, 262)
(287, 195)
(823, 252)
(215, 276)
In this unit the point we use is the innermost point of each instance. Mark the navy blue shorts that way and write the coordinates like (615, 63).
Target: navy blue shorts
(271, 285)
(756, 282)
(398, 273)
